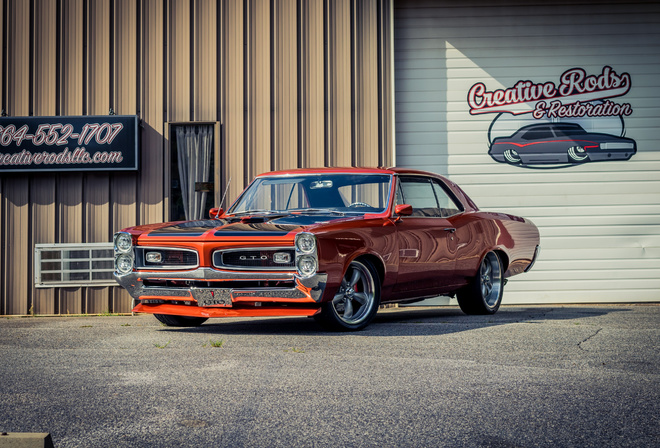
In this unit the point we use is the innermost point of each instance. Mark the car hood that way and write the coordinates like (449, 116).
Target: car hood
(261, 225)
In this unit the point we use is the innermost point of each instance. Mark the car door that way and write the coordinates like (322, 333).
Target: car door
(426, 242)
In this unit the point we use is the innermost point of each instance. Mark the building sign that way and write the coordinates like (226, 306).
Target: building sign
(557, 125)
(69, 143)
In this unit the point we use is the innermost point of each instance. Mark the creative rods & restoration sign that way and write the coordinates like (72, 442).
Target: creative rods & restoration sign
(69, 143)
(548, 125)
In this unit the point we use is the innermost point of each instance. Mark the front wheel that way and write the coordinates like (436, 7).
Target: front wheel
(180, 321)
(356, 301)
(484, 294)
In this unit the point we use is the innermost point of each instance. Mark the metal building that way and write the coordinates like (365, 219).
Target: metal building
(282, 83)
(275, 84)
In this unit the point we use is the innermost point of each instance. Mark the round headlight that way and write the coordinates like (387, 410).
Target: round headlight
(124, 264)
(306, 265)
(305, 243)
(123, 242)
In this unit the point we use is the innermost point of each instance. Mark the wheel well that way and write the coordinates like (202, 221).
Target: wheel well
(504, 259)
(375, 261)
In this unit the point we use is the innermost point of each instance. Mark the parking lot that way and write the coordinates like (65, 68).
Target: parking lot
(528, 376)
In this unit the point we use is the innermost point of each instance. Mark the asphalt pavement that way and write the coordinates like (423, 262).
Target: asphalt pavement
(541, 376)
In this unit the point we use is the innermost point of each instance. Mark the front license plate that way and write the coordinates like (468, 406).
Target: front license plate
(212, 297)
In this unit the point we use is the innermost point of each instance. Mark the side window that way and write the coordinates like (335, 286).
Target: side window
(418, 192)
(447, 205)
(538, 134)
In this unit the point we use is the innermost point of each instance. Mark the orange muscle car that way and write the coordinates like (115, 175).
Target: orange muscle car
(333, 243)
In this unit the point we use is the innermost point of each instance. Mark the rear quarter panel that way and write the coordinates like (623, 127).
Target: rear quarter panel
(515, 239)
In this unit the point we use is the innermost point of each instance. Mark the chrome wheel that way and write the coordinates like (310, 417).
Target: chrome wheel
(484, 294)
(355, 298)
(490, 276)
(356, 302)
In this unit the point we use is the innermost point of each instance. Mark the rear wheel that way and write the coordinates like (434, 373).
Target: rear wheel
(512, 156)
(577, 154)
(356, 301)
(484, 294)
(180, 321)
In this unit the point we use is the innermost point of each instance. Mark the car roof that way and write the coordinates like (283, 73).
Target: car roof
(352, 170)
(550, 125)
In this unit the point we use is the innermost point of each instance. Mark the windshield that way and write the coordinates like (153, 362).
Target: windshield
(316, 193)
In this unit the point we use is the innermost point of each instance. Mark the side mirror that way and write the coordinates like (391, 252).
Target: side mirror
(403, 210)
(215, 213)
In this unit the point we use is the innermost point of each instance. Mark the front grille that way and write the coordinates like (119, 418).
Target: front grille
(236, 284)
(169, 258)
(270, 258)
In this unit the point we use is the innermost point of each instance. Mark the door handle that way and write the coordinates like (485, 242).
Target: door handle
(450, 229)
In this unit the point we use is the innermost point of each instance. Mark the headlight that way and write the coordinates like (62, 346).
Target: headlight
(123, 242)
(306, 265)
(306, 254)
(124, 264)
(305, 243)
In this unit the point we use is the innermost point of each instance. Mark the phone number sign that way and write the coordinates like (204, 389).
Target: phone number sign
(69, 143)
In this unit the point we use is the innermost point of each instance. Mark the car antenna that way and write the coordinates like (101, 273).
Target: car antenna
(223, 198)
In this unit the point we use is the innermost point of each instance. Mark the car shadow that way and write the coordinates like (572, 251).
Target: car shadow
(408, 321)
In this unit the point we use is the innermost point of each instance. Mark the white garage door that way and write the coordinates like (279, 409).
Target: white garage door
(551, 112)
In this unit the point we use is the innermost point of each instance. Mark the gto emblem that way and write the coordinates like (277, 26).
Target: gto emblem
(253, 257)
(282, 257)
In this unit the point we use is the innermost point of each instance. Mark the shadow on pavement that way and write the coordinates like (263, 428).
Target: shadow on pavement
(422, 321)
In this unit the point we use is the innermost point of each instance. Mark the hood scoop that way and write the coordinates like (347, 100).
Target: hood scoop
(254, 219)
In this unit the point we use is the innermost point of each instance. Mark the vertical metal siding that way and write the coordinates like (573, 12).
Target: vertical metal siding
(95, 199)
(16, 187)
(258, 89)
(151, 181)
(284, 125)
(311, 75)
(234, 88)
(42, 189)
(293, 84)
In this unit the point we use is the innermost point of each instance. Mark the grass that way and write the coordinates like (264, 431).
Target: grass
(294, 350)
(215, 343)
(161, 345)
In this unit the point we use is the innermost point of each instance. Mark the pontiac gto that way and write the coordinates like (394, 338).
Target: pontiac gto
(333, 243)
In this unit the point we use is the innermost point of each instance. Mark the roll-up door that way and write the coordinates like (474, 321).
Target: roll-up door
(548, 111)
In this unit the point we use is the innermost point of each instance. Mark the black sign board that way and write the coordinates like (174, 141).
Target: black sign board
(69, 143)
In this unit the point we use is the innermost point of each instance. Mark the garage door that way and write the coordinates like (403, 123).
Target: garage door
(550, 112)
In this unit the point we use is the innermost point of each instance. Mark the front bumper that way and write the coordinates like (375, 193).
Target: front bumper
(208, 287)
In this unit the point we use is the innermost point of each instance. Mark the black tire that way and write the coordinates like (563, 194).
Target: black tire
(484, 294)
(180, 321)
(356, 302)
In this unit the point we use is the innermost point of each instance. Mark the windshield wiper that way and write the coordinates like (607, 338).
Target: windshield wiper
(318, 211)
(259, 212)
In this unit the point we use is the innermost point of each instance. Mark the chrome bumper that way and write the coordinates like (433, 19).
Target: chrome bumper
(306, 288)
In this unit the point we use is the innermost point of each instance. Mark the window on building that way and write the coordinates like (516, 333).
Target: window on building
(192, 168)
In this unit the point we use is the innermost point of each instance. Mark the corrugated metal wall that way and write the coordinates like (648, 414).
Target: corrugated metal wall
(294, 83)
(599, 221)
